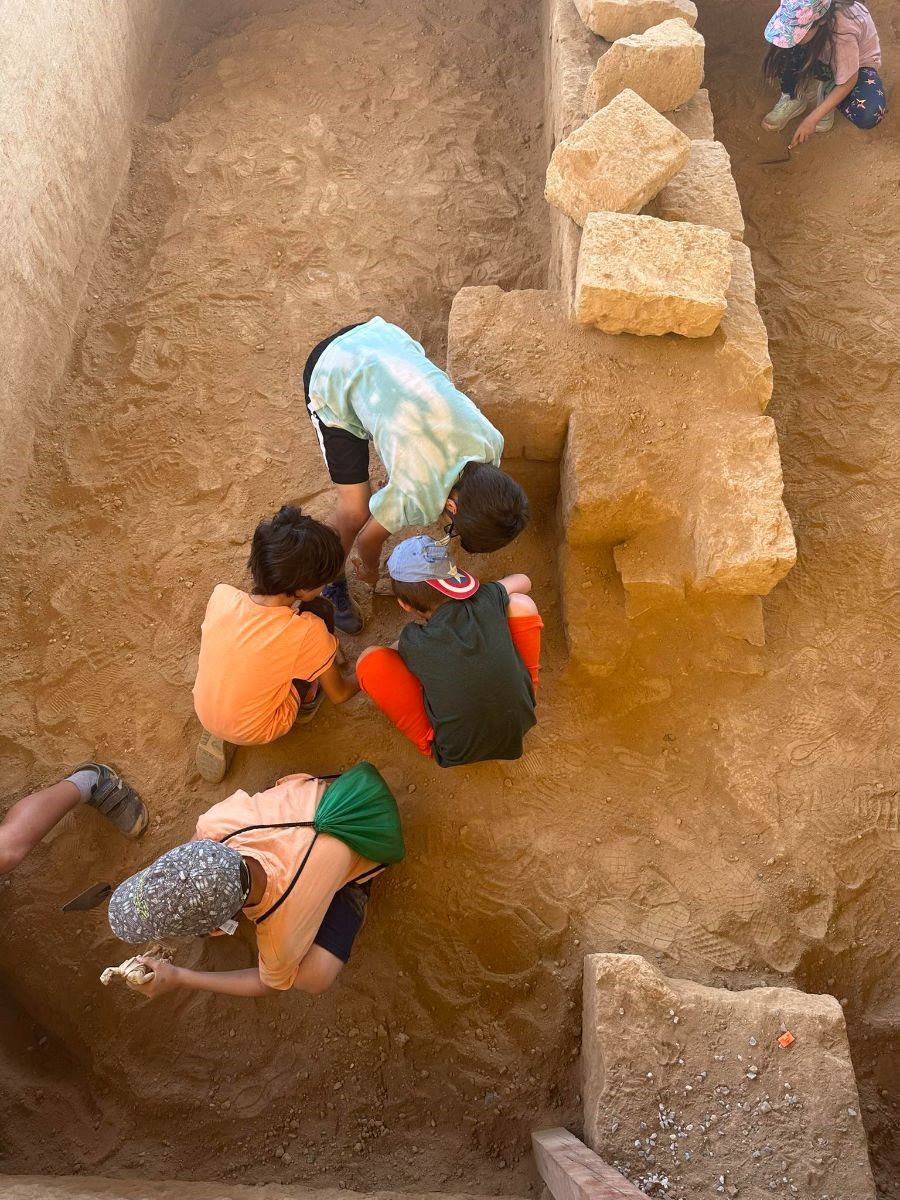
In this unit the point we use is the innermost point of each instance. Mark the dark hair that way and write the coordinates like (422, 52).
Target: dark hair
(420, 596)
(821, 46)
(491, 508)
(291, 551)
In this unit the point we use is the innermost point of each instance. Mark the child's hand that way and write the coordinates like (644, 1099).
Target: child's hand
(804, 131)
(367, 574)
(164, 977)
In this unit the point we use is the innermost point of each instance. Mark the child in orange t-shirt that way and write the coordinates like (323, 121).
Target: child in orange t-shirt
(263, 655)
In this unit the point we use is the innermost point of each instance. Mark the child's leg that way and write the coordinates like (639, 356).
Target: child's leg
(351, 511)
(347, 459)
(384, 676)
(525, 627)
(865, 106)
(792, 68)
(31, 819)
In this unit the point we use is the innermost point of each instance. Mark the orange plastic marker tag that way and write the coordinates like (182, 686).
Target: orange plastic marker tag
(786, 1039)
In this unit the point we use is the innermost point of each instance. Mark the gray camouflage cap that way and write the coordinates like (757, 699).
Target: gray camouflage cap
(187, 892)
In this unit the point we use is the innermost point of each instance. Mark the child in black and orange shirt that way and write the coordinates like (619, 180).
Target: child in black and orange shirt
(462, 685)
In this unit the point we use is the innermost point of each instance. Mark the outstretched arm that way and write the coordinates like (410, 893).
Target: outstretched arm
(169, 978)
(337, 686)
(807, 126)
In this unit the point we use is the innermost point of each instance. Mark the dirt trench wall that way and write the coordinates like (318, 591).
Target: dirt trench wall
(74, 78)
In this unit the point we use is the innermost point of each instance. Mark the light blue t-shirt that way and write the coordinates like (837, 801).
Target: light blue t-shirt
(377, 383)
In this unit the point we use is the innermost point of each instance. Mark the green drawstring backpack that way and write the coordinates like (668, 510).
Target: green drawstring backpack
(359, 809)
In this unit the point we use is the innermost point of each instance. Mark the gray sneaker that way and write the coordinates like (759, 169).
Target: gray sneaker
(785, 110)
(827, 121)
(213, 757)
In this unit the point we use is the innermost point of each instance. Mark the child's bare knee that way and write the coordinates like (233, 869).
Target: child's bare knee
(521, 606)
(353, 504)
(320, 976)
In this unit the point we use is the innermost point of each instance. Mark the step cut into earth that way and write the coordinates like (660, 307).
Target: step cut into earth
(674, 1071)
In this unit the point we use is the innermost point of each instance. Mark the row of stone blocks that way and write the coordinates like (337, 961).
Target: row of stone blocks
(670, 478)
(669, 270)
(699, 1091)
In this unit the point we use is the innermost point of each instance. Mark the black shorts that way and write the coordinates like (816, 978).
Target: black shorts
(346, 456)
(344, 918)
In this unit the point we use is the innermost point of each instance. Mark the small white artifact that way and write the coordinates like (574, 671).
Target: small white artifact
(131, 970)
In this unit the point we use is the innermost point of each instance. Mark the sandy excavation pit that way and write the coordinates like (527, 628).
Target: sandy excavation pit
(730, 814)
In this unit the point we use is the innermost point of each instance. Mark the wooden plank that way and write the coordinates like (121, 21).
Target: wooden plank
(573, 1172)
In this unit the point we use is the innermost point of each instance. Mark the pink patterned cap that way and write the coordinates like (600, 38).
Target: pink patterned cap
(793, 21)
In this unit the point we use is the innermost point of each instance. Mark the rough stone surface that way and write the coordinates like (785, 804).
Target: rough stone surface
(612, 19)
(74, 78)
(645, 276)
(646, 430)
(695, 117)
(570, 58)
(742, 339)
(703, 192)
(690, 1083)
(617, 161)
(664, 65)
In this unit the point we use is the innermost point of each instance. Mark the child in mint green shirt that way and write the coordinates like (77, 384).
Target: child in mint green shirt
(373, 383)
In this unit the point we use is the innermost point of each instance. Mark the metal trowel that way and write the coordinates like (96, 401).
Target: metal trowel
(778, 162)
(92, 897)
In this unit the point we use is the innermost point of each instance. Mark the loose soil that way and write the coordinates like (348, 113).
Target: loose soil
(304, 166)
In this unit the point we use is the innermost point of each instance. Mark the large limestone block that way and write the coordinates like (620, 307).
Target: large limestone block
(742, 340)
(612, 19)
(703, 192)
(690, 1082)
(645, 276)
(742, 535)
(616, 161)
(664, 65)
(695, 117)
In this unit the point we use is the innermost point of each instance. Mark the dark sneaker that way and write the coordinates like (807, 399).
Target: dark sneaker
(308, 707)
(347, 616)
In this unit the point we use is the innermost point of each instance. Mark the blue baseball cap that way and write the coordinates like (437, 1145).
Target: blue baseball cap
(794, 20)
(423, 560)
